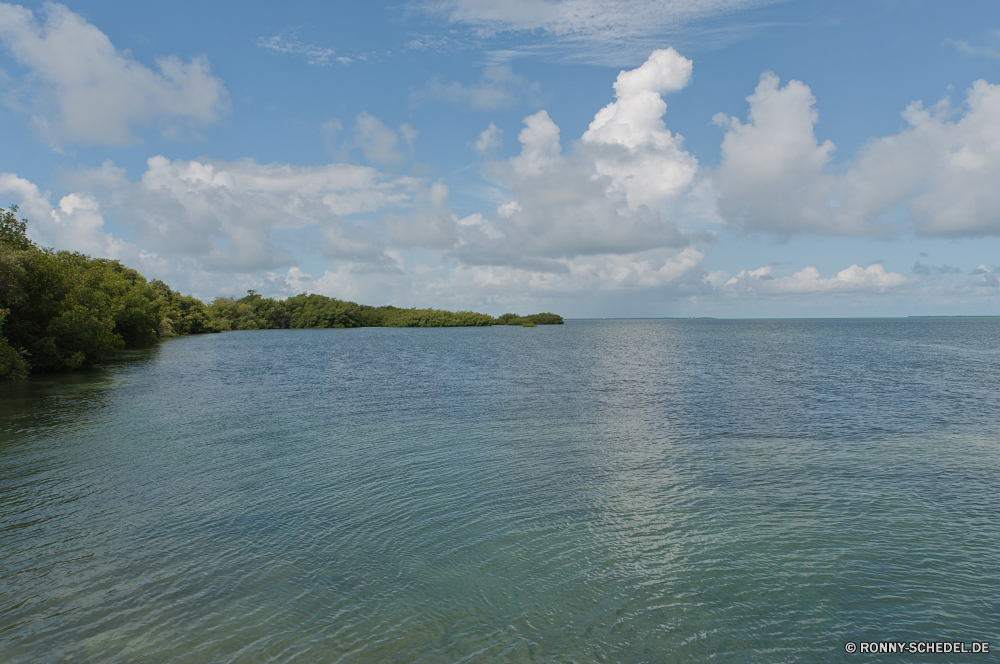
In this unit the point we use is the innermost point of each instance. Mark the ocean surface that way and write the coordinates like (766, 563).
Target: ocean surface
(601, 491)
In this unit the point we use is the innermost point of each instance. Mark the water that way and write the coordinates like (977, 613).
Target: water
(602, 491)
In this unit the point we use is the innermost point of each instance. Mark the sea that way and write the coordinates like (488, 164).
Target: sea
(599, 491)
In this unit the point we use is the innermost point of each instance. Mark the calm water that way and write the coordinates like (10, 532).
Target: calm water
(603, 491)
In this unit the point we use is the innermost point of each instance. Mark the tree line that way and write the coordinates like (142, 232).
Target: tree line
(62, 310)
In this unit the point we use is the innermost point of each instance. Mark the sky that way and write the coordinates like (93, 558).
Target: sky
(612, 158)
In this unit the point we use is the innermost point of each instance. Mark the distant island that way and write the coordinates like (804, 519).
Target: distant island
(62, 310)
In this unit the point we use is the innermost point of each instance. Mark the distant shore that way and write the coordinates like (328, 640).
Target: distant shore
(62, 310)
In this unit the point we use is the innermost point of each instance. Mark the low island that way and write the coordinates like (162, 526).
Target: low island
(62, 310)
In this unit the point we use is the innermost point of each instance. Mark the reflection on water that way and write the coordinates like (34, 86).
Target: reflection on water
(50, 399)
(601, 491)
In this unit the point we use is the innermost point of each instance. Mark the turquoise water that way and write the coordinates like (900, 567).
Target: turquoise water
(602, 491)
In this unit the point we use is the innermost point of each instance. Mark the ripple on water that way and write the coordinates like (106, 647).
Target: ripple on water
(663, 491)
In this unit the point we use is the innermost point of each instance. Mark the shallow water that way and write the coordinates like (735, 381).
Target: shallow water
(619, 491)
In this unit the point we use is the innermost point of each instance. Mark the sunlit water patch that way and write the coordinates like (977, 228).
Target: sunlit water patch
(619, 491)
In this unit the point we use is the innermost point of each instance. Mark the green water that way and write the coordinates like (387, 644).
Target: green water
(602, 491)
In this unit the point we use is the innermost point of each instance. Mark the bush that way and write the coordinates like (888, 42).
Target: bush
(534, 319)
(12, 362)
(62, 310)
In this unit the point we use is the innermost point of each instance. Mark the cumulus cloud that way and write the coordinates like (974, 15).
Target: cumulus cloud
(498, 87)
(75, 221)
(614, 193)
(666, 70)
(605, 213)
(490, 139)
(226, 213)
(873, 279)
(771, 176)
(564, 207)
(597, 216)
(631, 143)
(939, 174)
(213, 226)
(81, 89)
(224, 221)
(381, 145)
(429, 223)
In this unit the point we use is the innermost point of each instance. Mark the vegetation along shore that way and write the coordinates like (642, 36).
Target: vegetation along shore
(62, 310)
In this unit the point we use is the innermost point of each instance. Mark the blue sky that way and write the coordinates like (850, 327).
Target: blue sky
(645, 158)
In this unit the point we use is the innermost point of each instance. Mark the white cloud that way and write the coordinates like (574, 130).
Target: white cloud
(772, 172)
(490, 139)
(606, 18)
(380, 144)
(426, 41)
(990, 51)
(540, 146)
(209, 223)
(614, 193)
(226, 212)
(633, 145)
(349, 280)
(74, 222)
(81, 89)
(602, 215)
(288, 42)
(585, 274)
(873, 279)
(590, 28)
(507, 209)
(563, 207)
(666, 70)
(498, 87)
(429, 223)
(940, 172)
(220, 227)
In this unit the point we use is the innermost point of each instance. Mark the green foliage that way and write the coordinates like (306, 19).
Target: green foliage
(507, 319)
(182, 314)
(232, 315)
(319, 311)
(62, 310)
(66, 310)
(545, 318)
(270, 314)
(393, 317)
(13, 232)
(12, 362)
(312, 311)
(534, 320)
